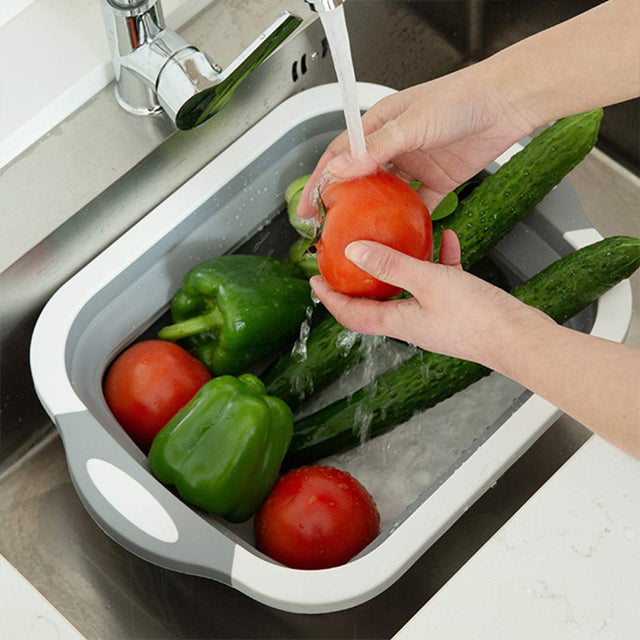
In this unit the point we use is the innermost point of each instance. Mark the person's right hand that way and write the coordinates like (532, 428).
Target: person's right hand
(450, 312)
(441, 133)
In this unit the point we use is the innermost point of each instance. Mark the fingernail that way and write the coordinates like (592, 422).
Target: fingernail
(357, 252)
(339, 164)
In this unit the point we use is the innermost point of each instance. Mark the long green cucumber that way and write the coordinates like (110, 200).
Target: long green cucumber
(501, 200)
(481, 220)
(561, 290)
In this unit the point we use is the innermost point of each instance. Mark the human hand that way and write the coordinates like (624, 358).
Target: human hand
(452, 312)
(441, 133)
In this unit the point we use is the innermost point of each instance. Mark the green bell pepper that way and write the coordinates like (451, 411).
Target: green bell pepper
(223, 450)
(236, 310)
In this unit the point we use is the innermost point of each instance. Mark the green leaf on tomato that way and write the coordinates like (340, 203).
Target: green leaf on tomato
(450, 202)
(446, 206)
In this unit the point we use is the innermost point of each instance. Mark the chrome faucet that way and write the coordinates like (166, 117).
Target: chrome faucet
(156, 70)
(323, 5)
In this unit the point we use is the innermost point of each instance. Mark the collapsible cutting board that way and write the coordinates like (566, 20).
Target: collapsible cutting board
(124, 290)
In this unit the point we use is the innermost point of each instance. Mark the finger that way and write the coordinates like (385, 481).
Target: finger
(450, 253)
(344, 166)
(393, 138)
(386, 264)
(371, 121)
(307, 207)
(345, 309)
(364, 315)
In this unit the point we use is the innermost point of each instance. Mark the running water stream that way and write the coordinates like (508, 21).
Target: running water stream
(335, 28)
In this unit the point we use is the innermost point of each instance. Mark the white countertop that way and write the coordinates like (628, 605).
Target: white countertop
(566, 565)
(26, 614)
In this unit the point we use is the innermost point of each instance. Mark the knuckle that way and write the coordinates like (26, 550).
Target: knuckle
(390, 137)
(396, 133)
(397, 320)
(385, 266)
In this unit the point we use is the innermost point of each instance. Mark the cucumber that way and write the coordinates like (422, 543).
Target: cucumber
(495, 206)
(481, 220)
(561, 290)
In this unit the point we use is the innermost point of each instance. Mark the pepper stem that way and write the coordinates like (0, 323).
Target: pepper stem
(209, 321)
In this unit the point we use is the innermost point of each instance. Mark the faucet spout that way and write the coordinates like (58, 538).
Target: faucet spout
(158, 71)
(209, 96)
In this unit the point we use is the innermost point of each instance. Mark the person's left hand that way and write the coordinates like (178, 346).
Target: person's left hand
(452, 312)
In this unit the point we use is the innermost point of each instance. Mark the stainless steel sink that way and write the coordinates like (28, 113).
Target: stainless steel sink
(76, 208)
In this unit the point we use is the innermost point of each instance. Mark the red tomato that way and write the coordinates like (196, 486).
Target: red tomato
(147, 384)
(379, 207)
(316, 518)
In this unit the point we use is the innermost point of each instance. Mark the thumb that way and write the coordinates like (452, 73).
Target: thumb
(385, 263)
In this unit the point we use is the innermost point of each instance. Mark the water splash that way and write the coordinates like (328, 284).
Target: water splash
(404, 465)
(362, 423)
(335, 28)
(346, 340)
(299, 349)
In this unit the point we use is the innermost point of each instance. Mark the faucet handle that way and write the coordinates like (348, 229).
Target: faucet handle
(192, 88)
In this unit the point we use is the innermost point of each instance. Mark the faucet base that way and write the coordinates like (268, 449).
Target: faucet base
(153, 109)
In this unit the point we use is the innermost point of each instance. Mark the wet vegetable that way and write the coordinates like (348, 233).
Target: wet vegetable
(235, 310)
(316, 518)
(223, 451)
(380, 207)
(481, 220)
(148, 383)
